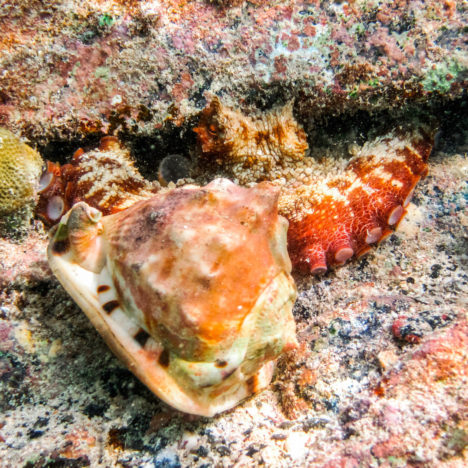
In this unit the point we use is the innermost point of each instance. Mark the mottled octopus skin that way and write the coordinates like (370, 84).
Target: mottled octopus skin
(332, 216)
(190, 287)
(105, 178)
(359, 208)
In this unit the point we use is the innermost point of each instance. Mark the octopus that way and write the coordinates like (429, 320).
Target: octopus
(332, 215)
(106, 178)
(191, 285)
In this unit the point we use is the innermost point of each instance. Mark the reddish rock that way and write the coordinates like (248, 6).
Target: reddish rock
(70, 62)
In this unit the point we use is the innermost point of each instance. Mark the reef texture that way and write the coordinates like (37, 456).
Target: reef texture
(333, 212)
(72, 68)
(20, 168)
(191, 288)
(379, 378)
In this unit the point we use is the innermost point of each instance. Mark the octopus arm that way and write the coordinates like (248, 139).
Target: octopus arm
(105, 178)
(335, 210)
(344, 216)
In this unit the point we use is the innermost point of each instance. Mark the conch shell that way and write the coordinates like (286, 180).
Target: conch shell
(190, 288)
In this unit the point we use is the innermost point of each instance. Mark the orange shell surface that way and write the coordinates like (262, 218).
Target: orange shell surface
(195, 260)
(191, 288)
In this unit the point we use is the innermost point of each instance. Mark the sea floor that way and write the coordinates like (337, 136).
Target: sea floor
(379, 379)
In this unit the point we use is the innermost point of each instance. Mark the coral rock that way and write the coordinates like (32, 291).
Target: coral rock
(20, 169)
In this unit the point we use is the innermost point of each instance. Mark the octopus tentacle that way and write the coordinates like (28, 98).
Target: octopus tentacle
(52, 203)
(105, 178)
(333, 215)
(363, 205)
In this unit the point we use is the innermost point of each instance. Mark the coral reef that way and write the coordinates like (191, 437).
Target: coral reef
(105, 178)
(380, 374)
(191, 288)
(75, 67)
(20, 169)
(333, 213)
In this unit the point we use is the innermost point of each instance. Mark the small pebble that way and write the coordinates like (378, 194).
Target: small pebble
(172, 168)
(295, 445)
(410, 329)
(387, 359)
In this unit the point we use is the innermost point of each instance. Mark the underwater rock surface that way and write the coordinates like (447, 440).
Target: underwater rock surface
(380, 374)
(73, 68)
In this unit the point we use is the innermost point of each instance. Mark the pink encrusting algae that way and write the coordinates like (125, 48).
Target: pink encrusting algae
(105, 66)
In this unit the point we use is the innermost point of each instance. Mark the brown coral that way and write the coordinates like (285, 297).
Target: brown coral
(20, 168)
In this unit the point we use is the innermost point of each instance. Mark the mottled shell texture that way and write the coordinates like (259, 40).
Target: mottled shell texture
(191, 288)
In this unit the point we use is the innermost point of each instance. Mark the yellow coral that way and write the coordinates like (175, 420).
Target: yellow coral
(20, 169)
